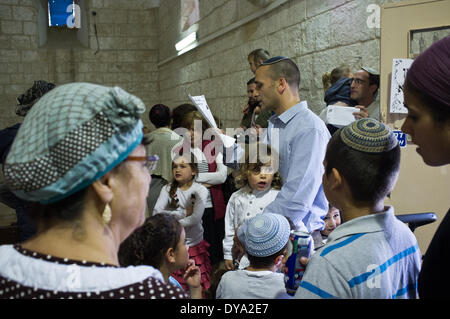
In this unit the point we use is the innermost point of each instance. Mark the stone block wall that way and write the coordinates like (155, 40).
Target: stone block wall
(127, 55)
(136, 49)
(317, 34)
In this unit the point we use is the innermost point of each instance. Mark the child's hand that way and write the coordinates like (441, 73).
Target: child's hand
(229, 264)
(189, 210)
(192, 276)
(304, 261)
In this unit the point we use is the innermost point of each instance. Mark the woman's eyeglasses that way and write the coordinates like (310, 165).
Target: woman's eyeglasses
(150, 161)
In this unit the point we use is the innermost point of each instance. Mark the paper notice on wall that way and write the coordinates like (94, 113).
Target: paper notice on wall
(201, 104)
(399, 69)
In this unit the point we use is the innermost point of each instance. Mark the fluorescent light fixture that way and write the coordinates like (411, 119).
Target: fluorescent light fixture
(187, 42)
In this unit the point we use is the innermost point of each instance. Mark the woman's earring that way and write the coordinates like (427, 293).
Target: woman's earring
(106, 216)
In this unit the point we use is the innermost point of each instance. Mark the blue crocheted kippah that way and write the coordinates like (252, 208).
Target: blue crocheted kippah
(369, 135)
(265, 234)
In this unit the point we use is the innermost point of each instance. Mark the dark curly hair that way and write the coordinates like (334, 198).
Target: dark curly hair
(149, 244)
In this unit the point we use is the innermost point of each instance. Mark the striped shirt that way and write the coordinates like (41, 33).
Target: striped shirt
(207, 177)
(369, 257)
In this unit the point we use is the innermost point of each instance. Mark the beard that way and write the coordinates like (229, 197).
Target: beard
(253, 104)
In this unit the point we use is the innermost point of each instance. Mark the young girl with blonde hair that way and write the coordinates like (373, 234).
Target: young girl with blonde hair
(259, 183)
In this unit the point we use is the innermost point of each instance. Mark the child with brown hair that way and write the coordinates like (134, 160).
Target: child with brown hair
(185, 200)
(259, 184)
(160, 243)
(212, 173)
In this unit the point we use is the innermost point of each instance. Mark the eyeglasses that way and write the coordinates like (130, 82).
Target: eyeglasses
(358, 81)
(150, 161)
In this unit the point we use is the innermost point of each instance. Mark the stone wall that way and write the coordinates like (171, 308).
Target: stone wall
(136, 48)
(128, 42)
(317, 34)
(127, 34)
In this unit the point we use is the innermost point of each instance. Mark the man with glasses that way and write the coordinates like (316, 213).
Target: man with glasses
(363, 90)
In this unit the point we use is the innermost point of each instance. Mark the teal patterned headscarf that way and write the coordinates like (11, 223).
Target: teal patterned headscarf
(71, 137)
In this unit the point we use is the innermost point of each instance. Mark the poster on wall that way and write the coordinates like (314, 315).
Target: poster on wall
(399, 69)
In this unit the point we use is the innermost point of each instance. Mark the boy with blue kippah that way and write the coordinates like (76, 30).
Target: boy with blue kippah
(372, 254)
(265, 239)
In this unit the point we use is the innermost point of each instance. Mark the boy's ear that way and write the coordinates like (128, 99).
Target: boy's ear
(335, 179)
(103, 187)
(279, 260)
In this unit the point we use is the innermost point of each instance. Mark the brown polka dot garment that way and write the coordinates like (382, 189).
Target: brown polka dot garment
(149, 288)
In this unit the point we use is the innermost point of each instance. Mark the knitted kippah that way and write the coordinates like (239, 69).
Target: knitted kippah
(71, 137)
(370, 70)
(369, 136)
(274, 59)
(265, 234)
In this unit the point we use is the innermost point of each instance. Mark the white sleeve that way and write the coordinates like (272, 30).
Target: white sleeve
(217, 177)
(161, 206)
(229, 227)
(201, 193)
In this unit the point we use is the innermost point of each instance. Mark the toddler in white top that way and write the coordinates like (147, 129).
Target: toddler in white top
(259, 184)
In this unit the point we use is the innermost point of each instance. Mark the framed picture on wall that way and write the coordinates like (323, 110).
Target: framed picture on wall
(419, 40)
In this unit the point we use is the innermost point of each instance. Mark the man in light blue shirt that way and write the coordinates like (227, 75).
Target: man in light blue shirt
(300, 137)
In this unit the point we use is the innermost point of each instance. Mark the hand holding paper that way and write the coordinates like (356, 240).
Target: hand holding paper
(202, 106)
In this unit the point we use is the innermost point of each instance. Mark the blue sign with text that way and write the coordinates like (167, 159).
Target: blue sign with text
(401, 137)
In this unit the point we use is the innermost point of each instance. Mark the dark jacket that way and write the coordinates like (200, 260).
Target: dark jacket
(339, 92)
(7, 136)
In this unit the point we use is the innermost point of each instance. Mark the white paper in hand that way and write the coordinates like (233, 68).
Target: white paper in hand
(340, 116)
(202, 106)
(200, 102)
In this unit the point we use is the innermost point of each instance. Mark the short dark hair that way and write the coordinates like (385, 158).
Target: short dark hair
(179, 112)
(370, 176)
(149, 244)
(251, 81)
(374, 79)
(285, 68)
(159, 115)
(265, 262)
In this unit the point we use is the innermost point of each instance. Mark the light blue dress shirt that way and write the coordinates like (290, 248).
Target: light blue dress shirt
(301, 142)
